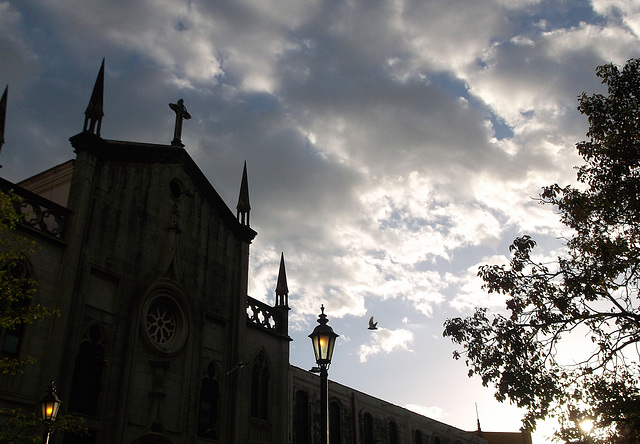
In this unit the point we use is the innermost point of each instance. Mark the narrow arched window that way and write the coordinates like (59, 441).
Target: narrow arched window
(417, 437)
(260, 388)
(209, 404)
(301, 428)
(87, 373)
(15, 276)
(335, 423)
(393, 433)
(368, 428)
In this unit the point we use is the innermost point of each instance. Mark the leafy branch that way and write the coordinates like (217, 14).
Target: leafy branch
(591, 293)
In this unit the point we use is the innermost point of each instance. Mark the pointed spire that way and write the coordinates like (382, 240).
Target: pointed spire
(3, 114)
(243, 208)
(94, 112)
(282, 290)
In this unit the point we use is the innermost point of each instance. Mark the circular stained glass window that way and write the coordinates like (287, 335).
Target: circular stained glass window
(161, 322)
(164, 324)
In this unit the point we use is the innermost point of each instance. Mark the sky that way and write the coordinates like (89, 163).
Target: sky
(392, 147)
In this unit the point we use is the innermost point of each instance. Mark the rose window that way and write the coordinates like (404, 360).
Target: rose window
(161, 323)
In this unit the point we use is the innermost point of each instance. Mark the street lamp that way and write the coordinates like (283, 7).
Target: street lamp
(323, 339)
(50, 404)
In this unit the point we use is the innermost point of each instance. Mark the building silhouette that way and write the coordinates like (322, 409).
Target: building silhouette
(157, 340)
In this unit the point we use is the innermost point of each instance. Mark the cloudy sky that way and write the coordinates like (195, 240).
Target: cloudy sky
(393, 146)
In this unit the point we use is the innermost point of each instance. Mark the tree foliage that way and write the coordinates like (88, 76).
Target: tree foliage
(591, 292)
(20, 427)
(16, 286)
(17, 289)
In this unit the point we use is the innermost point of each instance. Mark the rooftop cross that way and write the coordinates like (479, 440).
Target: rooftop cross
(181, 114)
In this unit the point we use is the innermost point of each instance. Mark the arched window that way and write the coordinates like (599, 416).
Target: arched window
(209, 404)
(301, 428)
(368, 428)
(16, 276)
(393, 433)
(335, 423)
(417, 437)
(260, 388)
(87, 373)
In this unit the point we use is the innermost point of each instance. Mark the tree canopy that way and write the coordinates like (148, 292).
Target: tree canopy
(590, 292)
(16, 286)
(17, 309)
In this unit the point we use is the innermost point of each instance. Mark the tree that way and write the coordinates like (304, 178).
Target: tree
(16, 310)
(590, 292)
(16, 286)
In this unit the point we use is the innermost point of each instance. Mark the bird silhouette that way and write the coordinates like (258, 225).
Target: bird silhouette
(372, 325)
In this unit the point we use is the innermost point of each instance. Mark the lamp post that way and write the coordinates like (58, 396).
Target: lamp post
(323, 339)
(49, 405)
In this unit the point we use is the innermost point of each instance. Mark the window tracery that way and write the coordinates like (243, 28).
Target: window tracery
(161, 322)
(260, 388)
(88, 372)
(301, 428)
(164, 322)
(209, 400)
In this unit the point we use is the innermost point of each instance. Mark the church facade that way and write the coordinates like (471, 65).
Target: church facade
(157, 340)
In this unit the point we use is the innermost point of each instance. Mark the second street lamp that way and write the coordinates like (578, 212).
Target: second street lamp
(323, 339)
(50, 404)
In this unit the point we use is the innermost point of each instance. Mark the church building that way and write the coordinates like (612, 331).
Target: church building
(157, 340)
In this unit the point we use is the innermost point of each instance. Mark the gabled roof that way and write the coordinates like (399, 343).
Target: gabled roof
(121, 151)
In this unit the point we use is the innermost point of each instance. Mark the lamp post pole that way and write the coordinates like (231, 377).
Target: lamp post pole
(47, 433)
(324, 404)
(323, 339)
(49, 405)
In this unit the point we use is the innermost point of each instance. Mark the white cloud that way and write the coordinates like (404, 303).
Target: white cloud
(385, 340)
(430, 412)
(471, 295)
(627, 11)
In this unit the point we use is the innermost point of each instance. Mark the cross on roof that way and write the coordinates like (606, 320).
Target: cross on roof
(181, 114)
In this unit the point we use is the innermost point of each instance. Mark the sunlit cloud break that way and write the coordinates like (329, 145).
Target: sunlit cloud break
(387, 341)
(430, 412)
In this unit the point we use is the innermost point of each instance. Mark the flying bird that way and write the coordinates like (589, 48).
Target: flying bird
(372, 325)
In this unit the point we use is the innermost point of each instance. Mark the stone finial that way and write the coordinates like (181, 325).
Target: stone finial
(282, 290)
(94, 113)
(243, 208)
